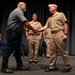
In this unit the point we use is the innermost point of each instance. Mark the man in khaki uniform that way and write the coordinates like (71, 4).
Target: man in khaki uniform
(33, 39)
(47, 34)
(59, 28)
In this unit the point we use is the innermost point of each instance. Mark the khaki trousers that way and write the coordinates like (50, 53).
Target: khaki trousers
(47, 47)
(56, 42)
(33, 43)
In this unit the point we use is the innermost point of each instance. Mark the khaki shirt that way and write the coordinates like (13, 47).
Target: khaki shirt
(36, 25)
(47, 33)
(56, 21)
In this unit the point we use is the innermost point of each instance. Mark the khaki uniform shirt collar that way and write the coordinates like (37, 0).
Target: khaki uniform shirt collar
(55, 14)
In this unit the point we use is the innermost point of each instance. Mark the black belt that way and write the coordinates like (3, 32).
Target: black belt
(34, 34)
(55, 31)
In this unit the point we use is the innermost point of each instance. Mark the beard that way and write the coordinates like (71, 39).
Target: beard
(24, 10)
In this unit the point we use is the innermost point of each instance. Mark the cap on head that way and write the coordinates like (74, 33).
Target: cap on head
(52, 5)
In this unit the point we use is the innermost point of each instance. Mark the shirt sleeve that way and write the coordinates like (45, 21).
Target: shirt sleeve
(64, 19)
(21, 16)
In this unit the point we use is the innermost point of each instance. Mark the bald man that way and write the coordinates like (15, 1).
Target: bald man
(16, 23)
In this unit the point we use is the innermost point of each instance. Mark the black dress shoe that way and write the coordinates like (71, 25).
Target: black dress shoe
(48, 69)
(67, 70)
(7, 70)
(31, 62)
(47, 56)
(35, 61)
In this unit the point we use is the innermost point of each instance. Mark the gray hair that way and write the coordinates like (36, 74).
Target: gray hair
(34, 14)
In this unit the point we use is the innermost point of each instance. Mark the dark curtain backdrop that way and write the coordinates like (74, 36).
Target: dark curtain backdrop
(41, 8)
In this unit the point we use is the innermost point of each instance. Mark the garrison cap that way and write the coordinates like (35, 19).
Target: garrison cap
(52, 5)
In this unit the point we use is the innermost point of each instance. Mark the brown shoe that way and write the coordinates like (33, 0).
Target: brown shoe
(7, 70)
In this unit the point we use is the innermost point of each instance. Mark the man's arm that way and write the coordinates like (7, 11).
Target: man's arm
(27, 24)
(26, 33)
(65, 27)
(40, 35)
(65, 31)
(44, 37)
(43, 28)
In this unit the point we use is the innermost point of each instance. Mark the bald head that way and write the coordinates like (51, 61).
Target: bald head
(22, 5)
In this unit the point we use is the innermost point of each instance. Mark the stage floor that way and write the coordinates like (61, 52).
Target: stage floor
(38, 69)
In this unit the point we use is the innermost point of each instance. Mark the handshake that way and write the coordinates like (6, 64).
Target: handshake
(36, 30)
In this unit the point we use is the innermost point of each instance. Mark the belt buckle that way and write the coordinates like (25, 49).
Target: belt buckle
(53, 31)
